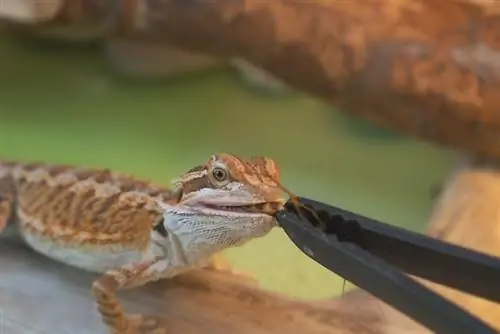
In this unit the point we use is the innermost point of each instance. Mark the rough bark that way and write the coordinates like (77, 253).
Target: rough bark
(40, 296)
(427, 68)
(29, 12)
(468, 214)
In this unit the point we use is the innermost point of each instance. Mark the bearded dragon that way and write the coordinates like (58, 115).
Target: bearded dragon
(133, 232)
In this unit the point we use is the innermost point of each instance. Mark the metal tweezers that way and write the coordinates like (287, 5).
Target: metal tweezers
(368, 253)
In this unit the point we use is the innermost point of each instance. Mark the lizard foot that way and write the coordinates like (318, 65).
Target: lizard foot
(104, 291)
(142, 324)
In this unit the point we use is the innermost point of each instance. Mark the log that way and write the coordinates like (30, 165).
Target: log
(29, 12)
(87, 22)
(468, 214)
(38, 295)
(425, 68)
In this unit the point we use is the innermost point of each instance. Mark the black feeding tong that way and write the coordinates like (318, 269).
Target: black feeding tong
(367, 253)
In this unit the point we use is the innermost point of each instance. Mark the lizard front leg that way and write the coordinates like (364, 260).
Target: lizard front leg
(104, 291)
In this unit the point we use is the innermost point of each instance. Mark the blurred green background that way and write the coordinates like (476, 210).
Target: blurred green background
(66, 106)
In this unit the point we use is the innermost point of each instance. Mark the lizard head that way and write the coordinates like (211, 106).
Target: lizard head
(225, 201)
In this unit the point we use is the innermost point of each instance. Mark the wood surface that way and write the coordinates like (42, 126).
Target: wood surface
(426, 68)
(38, 295)
(467, 213)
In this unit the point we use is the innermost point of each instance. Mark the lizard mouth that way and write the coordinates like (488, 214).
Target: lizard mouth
(268, 208)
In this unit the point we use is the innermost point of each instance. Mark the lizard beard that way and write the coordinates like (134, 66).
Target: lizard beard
(200, 235)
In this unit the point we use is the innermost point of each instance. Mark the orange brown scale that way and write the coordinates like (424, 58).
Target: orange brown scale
(264, 174)
(261, 173)
(84, 206)
(59, 207)
(106, 212)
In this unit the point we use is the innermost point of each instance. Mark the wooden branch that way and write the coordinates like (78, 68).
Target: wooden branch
(468, 214)
(38, 295)
(29, 12)
(154, 61)
(427, 68)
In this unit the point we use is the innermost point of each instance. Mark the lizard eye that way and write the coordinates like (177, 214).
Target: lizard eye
(219, 174)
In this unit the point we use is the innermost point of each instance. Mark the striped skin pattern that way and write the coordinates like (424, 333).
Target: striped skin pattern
(132, 231)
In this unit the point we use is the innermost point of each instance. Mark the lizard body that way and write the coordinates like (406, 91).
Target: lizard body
(132, 231)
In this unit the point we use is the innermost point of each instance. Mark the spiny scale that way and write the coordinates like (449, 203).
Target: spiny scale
(81, 206)
(261, 173)
(107, 222)
(96, 207)
(256, 171)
